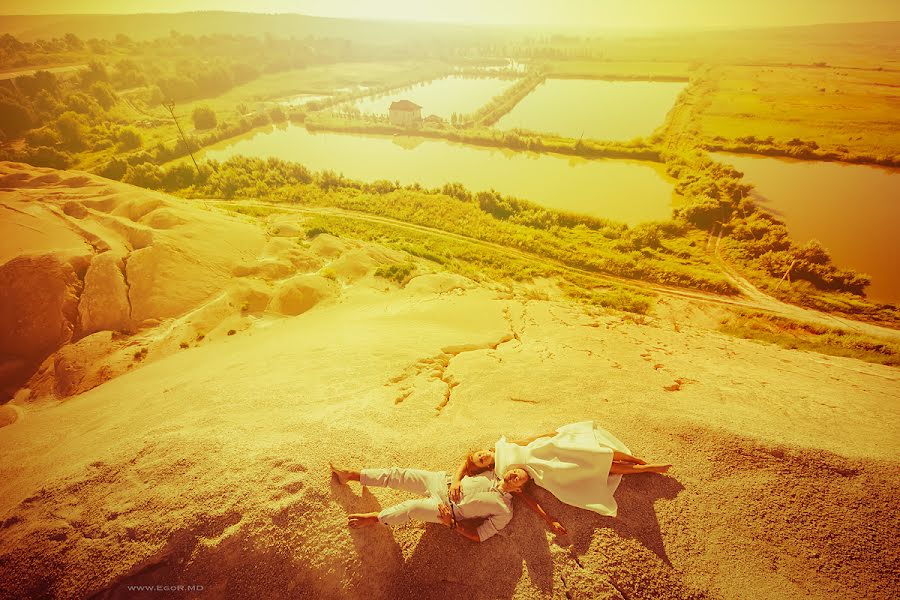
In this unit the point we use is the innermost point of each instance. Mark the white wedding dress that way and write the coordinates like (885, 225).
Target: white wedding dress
(573, 465)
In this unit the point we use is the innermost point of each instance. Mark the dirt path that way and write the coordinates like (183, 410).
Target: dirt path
(61, 69)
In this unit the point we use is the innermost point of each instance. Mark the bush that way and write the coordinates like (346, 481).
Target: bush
(42, 156)
(95, 72)
(71, 129)
(103, 94)
(129, 139)
(625, 300)
(277, 115)
(145, 175)
(114, 169)
(83, 104)
(45, 136)
(399, 273)
(204, 117)
(15, 119)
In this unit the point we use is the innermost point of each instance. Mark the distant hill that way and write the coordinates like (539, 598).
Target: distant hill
(147, 26)
(878, 31)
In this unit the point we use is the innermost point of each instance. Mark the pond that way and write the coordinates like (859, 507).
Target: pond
(594, 109)
(853, 210)
(626, 191)
(441, 97)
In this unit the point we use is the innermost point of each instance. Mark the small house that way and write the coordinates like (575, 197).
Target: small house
(404, 113)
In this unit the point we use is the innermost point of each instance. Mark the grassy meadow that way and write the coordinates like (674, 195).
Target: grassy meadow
(844, 110)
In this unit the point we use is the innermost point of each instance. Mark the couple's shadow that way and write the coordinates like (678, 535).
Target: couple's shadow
(443, 563)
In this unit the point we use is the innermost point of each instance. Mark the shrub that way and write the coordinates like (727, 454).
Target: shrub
(83, 104)
(70, 127)
(399, 273)
(129, 139)
(114, 169)
(628, 301)
(15, 119)
(277, 115)
(310, 234)
(204, 118)
(144, 175)
(44, 136)
(43, 156)
(103, 94)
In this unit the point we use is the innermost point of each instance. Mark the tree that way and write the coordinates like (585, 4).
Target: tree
(103, 94)
(73, 42)
(82, 103)
(15, 119)
(46, 105)
(32, 85)
(71, 130)
(129, 139)
(204, 117)
(95, 71)
(127, 73)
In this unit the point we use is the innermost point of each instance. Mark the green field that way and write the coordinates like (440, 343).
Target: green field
(855, 109)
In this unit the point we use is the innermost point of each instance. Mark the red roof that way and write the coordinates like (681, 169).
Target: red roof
(405, 105)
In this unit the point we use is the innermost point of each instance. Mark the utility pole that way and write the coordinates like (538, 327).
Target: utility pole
(169, 104)
(787, 275)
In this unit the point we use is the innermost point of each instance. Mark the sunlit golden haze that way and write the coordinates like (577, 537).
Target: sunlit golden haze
(569, 13)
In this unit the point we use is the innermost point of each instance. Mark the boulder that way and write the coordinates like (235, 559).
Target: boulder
(299, 294)
(76, 365)
(104, 303)
(38, 308)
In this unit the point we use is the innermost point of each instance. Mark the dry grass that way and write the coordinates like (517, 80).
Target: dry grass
(837, 108)
(834, 341)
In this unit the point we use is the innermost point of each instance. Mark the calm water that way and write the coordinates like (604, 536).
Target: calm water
(441, 97)
(853, 210)
(603, 110)
(626, 191)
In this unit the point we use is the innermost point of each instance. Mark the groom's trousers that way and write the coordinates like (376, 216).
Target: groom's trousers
(431, 484)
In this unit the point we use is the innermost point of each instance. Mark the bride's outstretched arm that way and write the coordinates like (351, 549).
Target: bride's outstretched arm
(534, 505)
(527, 441)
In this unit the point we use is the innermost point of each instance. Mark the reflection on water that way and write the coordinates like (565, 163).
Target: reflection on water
(603, 110)
(853, 210)
(627, 191)
(441, 97)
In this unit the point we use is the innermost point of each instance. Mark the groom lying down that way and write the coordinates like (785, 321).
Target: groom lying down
(483, 496)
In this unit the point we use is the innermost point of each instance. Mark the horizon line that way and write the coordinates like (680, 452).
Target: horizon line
(451, 22)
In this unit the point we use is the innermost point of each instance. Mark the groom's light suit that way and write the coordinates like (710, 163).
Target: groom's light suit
(481, 498)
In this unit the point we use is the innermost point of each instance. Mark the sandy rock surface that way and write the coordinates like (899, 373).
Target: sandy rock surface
(205, 461)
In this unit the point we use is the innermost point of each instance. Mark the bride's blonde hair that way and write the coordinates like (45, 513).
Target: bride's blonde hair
(472, 469)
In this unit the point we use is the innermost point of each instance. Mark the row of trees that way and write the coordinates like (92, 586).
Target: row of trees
(59, 116)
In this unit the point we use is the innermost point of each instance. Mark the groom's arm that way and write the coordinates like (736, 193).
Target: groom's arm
(467, 531)
(534, 505)
(446, 515)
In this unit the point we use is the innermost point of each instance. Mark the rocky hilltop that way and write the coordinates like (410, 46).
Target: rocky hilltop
(179, 377)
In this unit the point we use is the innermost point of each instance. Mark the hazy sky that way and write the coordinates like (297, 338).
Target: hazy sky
(585, 13)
